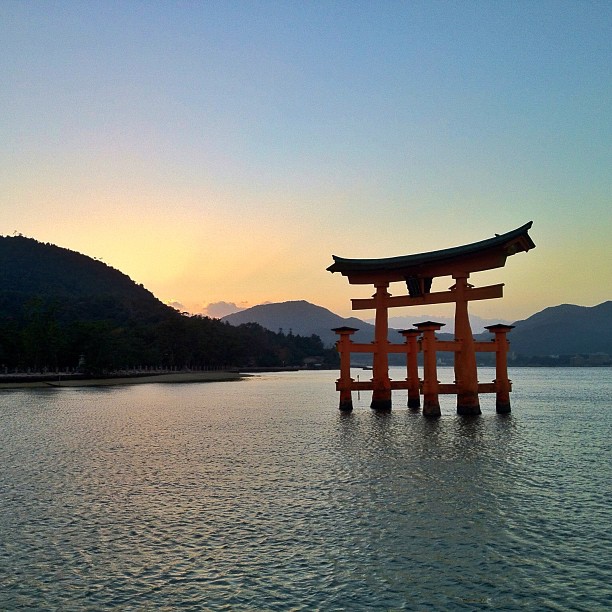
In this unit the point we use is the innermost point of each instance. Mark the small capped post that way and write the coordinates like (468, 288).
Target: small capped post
(503, 384)
(344, 383)
(412, 368)
(431, 402)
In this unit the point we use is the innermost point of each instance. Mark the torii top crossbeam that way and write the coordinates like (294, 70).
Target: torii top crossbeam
(422, 267)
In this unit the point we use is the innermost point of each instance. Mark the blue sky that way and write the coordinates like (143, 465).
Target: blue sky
(222, 151)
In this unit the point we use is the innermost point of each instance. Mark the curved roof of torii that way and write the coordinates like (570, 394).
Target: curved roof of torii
(474, 257)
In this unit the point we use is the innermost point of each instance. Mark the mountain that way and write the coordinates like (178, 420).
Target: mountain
(558, 330)
(304, 318)
(565, 330)
(74, 285)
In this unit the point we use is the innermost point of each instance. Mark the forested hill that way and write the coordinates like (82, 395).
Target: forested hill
(59, 308)
(76, 286)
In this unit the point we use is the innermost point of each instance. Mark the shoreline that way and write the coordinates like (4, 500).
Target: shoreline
(173, 377)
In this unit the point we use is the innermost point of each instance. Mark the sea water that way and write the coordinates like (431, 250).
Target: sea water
(261, 495)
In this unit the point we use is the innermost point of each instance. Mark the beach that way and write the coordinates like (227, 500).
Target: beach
(35, 382)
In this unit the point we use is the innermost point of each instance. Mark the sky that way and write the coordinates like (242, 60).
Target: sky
(220, 152)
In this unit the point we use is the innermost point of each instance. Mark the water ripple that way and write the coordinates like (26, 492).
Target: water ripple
(259, 495)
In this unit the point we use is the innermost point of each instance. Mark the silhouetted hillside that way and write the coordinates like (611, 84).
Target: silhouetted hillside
(59, 309)
(75, 286)
(565, 330)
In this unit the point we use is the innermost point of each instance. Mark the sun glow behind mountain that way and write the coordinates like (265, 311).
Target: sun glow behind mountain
(223, 152)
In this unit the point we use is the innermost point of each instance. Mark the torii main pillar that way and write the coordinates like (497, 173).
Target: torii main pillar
(417, 272)
(466, 374)
(381, 393)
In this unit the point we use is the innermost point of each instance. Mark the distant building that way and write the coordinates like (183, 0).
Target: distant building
(312, 362)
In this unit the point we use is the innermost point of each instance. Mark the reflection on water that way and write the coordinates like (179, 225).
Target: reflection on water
(261, 495)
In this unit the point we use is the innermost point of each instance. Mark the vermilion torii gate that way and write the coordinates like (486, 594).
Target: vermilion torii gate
(418, 272)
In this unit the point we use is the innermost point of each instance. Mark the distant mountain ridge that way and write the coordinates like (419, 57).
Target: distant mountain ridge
(557, 330)
(43, 286)
(303, 318)
(565, 329)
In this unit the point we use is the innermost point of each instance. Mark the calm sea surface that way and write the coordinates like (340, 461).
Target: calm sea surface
(260, 495)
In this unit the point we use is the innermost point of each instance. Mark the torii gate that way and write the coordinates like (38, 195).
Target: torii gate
(418, 272)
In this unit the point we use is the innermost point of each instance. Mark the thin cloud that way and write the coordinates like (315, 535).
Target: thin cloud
(176, 305)
(217, 310)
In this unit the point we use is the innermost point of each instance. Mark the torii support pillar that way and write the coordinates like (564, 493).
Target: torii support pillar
(502, 382)
(412, 368)
(431, 402)
(344, 383)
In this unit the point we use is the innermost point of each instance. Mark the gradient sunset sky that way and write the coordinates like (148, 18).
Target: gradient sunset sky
(222, 151)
